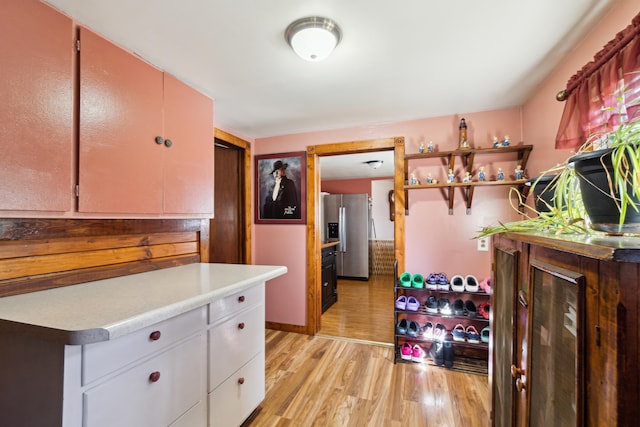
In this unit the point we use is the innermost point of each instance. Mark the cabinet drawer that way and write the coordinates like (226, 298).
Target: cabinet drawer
(234, 342)
(132, 398)
(102, 358)
(234, 400)
(234, 303)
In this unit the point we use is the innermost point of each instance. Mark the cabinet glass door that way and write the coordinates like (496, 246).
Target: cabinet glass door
(555, 376)
(502, 344)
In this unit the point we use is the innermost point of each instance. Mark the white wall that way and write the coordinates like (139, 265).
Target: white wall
(380, 209)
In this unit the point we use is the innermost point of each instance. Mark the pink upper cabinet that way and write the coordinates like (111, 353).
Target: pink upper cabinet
(36, 112)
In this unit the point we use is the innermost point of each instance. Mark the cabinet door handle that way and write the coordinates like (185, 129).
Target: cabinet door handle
(516, 372)
(521, 384)
(241, 380)
(241, 298)
(325, 284)
(155, 335)
(159, 140)
(241, 325)
(168, 143)
(154, 376)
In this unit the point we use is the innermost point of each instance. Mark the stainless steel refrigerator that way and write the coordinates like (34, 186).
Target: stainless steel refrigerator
(346, 219)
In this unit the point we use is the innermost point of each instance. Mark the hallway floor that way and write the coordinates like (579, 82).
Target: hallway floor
(364, 311)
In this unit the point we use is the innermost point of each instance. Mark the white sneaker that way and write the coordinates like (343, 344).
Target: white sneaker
(457, 283)
(471, 283)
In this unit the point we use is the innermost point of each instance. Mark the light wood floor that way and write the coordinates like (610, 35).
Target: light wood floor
(364, 310)
(323, 381)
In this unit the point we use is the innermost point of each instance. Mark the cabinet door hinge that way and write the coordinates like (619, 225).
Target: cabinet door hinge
(77, 45)
(77, 190)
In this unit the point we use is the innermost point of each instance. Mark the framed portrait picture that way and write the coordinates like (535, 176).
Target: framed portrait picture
(281, 188)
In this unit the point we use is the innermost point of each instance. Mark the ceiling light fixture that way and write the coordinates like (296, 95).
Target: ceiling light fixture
(313, 38)
(375, 164)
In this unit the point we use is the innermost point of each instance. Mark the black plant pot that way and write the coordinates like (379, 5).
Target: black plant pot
(596, 194)
(543, 192)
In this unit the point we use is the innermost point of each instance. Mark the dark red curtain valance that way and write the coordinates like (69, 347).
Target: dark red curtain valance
(604, 92)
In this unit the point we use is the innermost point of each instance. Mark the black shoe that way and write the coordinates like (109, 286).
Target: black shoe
(470, 307)
(458, 307)
(444, 307)
(447, 352)
(431, 305)
(436, 352)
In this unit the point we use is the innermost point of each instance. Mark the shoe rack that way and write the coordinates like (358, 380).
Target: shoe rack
(423, 326)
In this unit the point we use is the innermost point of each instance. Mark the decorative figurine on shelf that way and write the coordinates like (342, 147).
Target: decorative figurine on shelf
(414, 180)
(481, 175)
(506, 141)
(450, 176)
(519, 172)
(429, 179)
(496, 143)
(421, 148)
(467, 177)
(464, 143)
(500, 175)
(430, 147)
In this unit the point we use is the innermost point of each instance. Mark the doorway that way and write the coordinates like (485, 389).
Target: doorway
(230, 240)
(314, 240)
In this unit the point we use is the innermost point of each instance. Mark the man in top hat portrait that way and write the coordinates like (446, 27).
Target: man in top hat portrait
(281, 201)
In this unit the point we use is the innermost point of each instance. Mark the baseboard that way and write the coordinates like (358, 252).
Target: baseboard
(299, 329)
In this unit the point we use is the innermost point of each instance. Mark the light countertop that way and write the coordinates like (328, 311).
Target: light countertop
(107, 309)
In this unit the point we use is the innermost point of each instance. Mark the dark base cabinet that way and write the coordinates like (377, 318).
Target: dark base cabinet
(329, 278)
(565, 331)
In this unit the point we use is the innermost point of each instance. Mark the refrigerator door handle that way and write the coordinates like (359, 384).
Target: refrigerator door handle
(343, 234)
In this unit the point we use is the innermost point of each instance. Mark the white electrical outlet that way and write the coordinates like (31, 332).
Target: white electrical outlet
(483, 244)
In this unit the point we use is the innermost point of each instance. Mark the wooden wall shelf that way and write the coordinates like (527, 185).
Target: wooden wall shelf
(467, 157)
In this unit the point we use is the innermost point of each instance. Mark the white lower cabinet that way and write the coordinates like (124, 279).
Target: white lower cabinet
(154, 393)
(236, 357)
(234, 400)
(203, 367)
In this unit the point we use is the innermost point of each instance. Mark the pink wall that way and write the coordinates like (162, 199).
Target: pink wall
(436, 241)
(347, 186)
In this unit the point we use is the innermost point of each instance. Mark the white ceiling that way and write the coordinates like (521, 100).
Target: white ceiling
(397, 60)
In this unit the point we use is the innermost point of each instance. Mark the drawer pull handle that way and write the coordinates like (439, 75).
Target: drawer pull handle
(154, 376)
(155, 335)
(241, 380)
(241, 325)
(241, 298)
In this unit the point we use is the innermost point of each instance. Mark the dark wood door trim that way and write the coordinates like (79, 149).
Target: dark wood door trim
(246, 196)
(314, 252)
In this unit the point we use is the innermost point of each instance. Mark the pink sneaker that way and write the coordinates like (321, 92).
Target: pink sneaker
(406, 351)
(418, 353)
(485, 285)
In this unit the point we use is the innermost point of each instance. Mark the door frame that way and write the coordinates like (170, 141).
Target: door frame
(245, 146)
(314, 259)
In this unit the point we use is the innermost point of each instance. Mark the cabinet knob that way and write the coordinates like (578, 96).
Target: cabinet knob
(325, 284)
(155, 335)
(168, 143)
(521, 384)
(241, 298)
(241, 380)
(154, 376)
(241, 325)
(516, 372)
(159, 140)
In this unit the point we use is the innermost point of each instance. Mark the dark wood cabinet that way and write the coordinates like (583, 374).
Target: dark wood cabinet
(565, 330)
(329, 278)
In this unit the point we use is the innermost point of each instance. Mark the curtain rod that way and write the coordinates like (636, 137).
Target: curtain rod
(614, 46)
